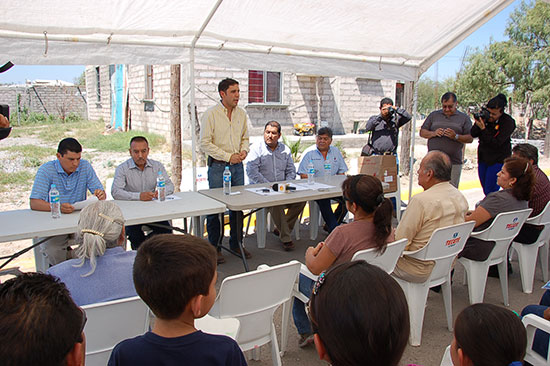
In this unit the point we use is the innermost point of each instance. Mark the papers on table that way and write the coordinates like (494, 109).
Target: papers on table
(263, 191)
(316, 185)
(169, 198)
(81, 204)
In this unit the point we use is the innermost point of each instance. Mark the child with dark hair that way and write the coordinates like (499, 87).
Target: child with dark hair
(356, 324)
(175, 275)
(371, 228)
(488, 335)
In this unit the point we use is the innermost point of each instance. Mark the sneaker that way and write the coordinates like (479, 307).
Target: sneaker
(221, 258)
(305, 340)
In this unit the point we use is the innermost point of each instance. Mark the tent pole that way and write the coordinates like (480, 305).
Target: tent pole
(192, 89)
(413, 133)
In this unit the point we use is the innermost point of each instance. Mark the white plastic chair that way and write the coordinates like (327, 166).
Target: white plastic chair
(446, 359)
(533, 322)
(527, 253)
(386, 260)
(227, 326)
(502, 231)
(252, 298)
(443, 247)
(111, 322)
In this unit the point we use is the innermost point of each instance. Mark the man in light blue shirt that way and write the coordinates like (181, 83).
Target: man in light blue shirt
(320, 154)
(72, 177)
(136, 180)
(271, 161)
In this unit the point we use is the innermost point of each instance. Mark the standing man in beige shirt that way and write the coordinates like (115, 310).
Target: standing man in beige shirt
(440, 205)
(224, 138)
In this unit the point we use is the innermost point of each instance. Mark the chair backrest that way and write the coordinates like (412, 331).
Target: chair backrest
(533, 322)
(542, 218)
(386, 260)
(443, 246)
(111, 322)
(503, 230)
(253, 297)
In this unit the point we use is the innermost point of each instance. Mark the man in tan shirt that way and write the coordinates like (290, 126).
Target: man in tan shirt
(440, 205)
(224, 138)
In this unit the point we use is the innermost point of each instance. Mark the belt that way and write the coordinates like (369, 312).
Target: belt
(211, 161)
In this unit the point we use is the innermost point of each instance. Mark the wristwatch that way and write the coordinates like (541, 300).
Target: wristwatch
(456, 136)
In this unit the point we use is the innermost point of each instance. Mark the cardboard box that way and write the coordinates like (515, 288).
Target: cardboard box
(384, 167)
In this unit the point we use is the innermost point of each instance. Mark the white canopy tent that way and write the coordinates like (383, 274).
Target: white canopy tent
(390, 39)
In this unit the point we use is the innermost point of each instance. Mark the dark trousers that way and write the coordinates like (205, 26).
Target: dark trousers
(488, 177)
(136, 235)
(213, 226)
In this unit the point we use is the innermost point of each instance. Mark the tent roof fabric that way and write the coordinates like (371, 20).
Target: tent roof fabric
(390, 39)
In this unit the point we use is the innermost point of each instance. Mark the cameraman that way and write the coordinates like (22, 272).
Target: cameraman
(448, 130)
(493, 127)
(385, 129)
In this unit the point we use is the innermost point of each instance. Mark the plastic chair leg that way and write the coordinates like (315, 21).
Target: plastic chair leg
(275, 355)
(477, 279)
(447, 300)
(285, 323)
(417, 295)
(543, 255)
(527, 258)
(503, 274)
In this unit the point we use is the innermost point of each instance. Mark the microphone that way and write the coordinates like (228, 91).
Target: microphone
(280, 187)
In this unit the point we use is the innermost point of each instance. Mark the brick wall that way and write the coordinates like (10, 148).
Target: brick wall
(337, 101)
(46, 99)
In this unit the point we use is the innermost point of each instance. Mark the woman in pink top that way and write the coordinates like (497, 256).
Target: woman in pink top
(371, 228)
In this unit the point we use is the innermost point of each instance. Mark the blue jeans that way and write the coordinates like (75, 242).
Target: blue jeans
(540, 343)
(488, 177)
(213, 226)
(327, 214)
(305, 285)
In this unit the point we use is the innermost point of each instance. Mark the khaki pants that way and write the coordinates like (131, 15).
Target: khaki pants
(285, 222)
(55, 248)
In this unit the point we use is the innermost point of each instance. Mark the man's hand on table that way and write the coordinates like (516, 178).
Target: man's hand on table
(147, 196)
(100, 194)
(67, 208)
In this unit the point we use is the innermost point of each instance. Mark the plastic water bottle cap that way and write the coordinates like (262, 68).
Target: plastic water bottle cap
(53, 186)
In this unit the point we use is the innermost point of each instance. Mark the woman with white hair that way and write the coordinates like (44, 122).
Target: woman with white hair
(102, 270)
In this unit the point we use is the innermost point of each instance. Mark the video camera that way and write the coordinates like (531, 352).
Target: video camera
(483, 114)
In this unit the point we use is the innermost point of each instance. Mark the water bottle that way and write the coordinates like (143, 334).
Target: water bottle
(328, 170)
(227, 181)
(55, 205)
(310, 173)
(161, 187)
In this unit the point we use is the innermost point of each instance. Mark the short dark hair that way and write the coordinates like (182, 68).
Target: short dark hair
(366, 192)
(360, 324)
(386, 101)
(273, 124)
(69, 144)
(527, 151)
(39, 321)
(225, 84)
(490, 335)
(439, 163)
(324, 131)
(449, 95)
(498, 102)
(139, 139)
(520, 169)
(169, 270)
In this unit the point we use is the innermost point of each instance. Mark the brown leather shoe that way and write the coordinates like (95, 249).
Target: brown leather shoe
(247, 254)
(221, 258)
(288, 246)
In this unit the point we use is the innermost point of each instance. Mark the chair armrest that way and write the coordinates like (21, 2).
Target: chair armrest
(533, 322)
(416, 253)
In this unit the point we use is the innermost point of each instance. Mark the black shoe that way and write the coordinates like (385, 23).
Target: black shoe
(276, 232)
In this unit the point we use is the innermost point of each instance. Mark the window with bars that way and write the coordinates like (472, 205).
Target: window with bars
(98, 84)
(148, 82)
(264, 87)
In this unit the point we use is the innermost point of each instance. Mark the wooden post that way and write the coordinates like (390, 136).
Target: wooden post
(404, 158)
(175, 124)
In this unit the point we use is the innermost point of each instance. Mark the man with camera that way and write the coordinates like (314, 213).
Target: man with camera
(385, 129)
(448, 130)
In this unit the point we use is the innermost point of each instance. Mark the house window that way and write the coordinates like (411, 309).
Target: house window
(98, 84)
(264, 87)
(148, 82)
